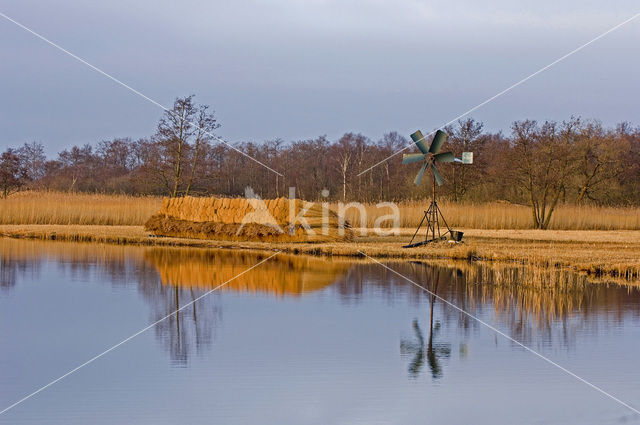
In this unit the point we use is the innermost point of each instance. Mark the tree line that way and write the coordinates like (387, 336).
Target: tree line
(540, 164)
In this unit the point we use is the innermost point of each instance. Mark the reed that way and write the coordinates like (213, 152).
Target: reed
(240, 219)
(503, 215)
(44, 207)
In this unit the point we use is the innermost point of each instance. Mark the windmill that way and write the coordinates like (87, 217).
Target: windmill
(429, 156)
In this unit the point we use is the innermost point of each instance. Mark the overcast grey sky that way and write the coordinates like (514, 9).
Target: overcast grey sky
(298, 69)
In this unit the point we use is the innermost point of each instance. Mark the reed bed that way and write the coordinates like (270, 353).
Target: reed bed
(502, 215)
(45, 207)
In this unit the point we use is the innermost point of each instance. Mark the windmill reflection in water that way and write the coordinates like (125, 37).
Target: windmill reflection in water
(433, 351)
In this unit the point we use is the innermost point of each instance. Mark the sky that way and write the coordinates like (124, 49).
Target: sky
(299, 69)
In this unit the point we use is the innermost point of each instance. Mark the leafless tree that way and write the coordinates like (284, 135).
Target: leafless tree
(12, 174)
(542, 160)
(599, 161)
(181, 134)
(32, 158)
(344, 154)
(466, 136)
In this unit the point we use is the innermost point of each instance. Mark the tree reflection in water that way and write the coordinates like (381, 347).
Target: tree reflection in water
(185, 274)
(538, 307)
(184, 332)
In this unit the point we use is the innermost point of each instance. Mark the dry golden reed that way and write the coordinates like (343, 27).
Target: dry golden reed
(278, 219)
(45, 207)
(504, 215)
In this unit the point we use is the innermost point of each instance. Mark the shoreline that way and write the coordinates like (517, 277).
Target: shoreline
(598, 253)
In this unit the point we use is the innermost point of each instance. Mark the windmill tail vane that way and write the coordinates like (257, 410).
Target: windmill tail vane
(430, 155)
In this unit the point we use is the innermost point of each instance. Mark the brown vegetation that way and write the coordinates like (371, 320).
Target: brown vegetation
(247, 219)
(45, 207)
(503, 215)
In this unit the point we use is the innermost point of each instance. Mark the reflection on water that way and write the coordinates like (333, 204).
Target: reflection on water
(185, 274)
(551, 311)
(170, 278)
(434, 351)
(206, 269)
(548, 307)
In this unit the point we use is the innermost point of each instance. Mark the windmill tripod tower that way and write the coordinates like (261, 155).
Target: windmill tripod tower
(430, 156)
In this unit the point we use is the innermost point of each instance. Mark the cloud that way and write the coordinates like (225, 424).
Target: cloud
(300, 68)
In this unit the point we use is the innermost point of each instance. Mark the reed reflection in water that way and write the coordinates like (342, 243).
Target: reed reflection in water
(535, 306)
(186, 274)
(304, 329)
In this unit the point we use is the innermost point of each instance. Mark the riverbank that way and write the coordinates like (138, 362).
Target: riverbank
(598, 253)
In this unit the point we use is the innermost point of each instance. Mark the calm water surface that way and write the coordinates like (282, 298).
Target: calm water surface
(305, 341)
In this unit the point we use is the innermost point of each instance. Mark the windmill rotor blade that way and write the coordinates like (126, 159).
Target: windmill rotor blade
(418, 138)
(444, 157)
(409, 158)
(438, 141)
(437, 175)
(418, 178)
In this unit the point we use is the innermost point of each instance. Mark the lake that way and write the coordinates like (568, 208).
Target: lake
(303, 340)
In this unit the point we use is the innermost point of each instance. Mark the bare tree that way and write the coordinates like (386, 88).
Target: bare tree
(542, 160)
(206, 124)
(174, 130)
(599, 160)
(180, 137)
(344, 153)
(33, 159)
(12, 174)
(78, 164)
(465, 137)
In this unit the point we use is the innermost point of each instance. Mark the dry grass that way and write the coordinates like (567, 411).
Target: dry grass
(503, 215)
(77, 208)
(98, 209)
(247, 219)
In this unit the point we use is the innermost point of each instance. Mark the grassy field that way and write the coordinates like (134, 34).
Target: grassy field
(97, 209)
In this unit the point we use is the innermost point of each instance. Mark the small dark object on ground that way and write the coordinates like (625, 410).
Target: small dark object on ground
(456, 235)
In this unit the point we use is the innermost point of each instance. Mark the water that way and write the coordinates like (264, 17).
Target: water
(305, 340)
